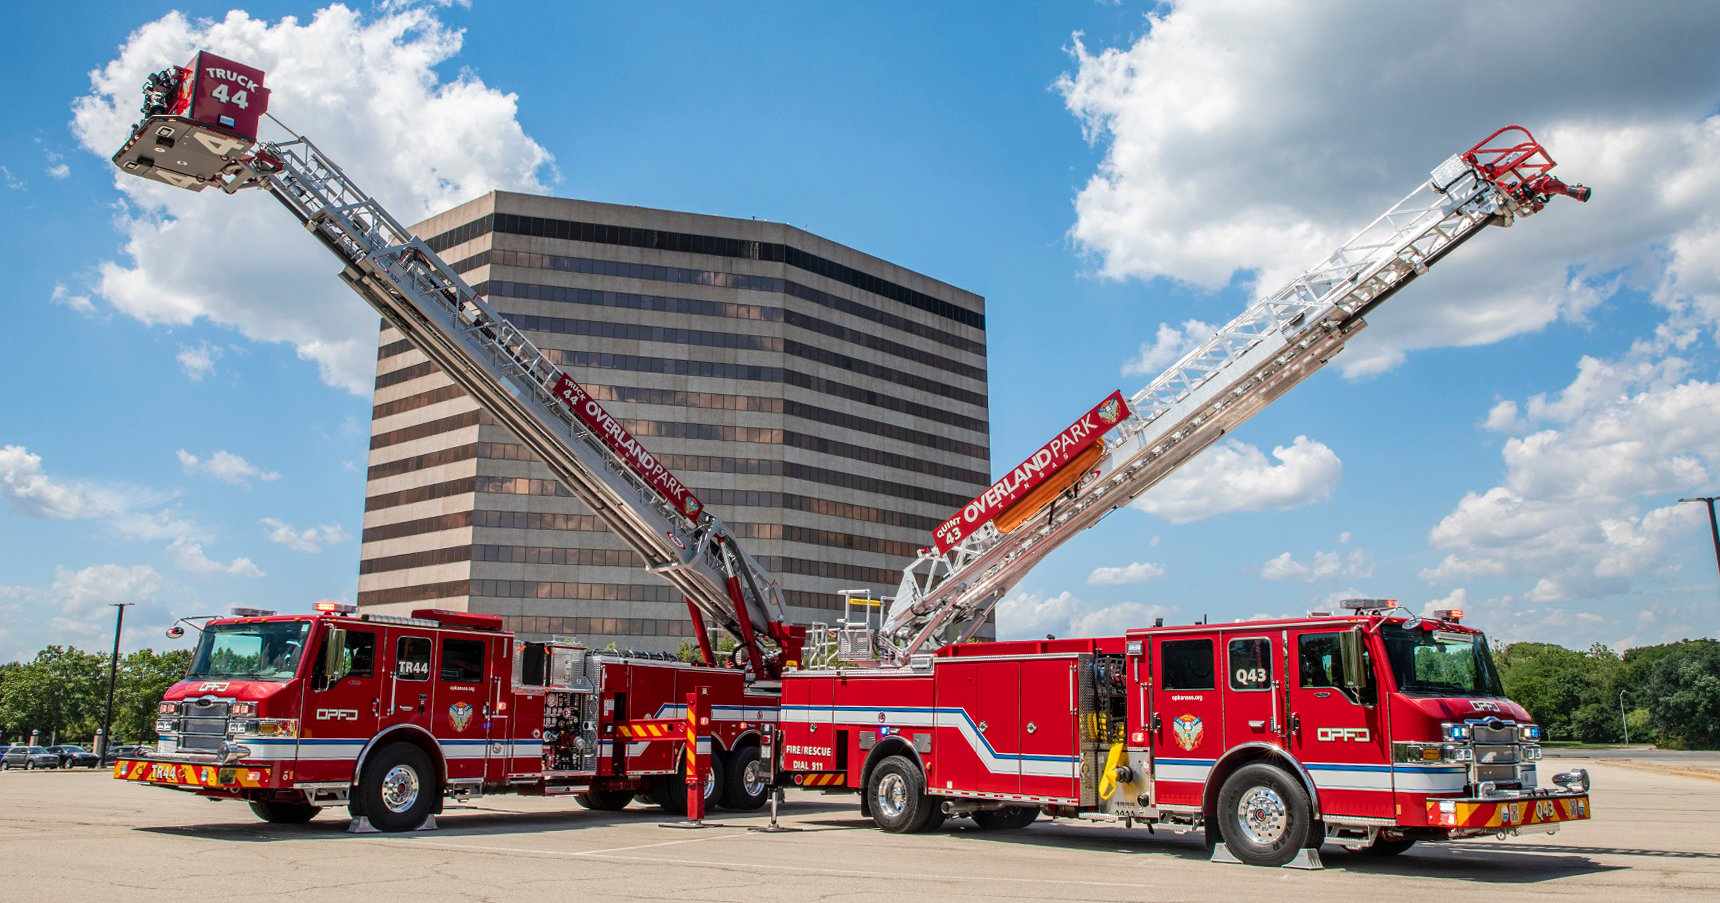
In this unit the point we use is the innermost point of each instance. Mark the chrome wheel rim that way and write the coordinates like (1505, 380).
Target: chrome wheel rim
(753, 779)
(399, 788)
(1262, 816)
(892, 796)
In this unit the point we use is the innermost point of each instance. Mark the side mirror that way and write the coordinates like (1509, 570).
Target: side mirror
(1350, 649)
(333, 652)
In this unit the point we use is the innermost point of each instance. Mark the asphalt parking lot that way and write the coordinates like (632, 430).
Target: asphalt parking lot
(78, 835)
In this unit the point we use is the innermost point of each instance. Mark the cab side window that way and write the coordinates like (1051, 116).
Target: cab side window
(412, 658)
(1186, 664)
(1317, 662)
(1251, 664)
(462, 660)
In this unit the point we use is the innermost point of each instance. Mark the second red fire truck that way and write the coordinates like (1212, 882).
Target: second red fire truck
(1372, 728)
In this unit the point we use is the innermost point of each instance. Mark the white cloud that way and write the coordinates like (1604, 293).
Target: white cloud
(1583, 505)
(198, 362)
(79, 303)
(189, 556)
(226, 467)
(1359, 563)
(30, 492)
(78, 608)
(1030, 616)
(1167, 347)
(58, 171)
(1235, 476)
(1137, 572)
(1237, 143)
(12, 182)
(311, 539)
(367, 89)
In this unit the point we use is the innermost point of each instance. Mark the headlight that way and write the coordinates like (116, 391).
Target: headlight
(243, 708)
(268, 727)
(1456, 730)
(167, 708)
(1529, 733)
(166, 727)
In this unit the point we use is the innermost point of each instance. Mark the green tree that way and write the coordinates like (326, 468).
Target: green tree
(55, 694)
(1683, 692)
(144, 677)
(1570, 694)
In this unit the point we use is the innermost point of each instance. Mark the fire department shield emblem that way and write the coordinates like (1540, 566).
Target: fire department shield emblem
(1109, 411)
(1188, 730)
(459, 715)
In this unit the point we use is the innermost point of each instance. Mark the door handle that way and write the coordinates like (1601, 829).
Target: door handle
(1156, 723)
(1295, 724)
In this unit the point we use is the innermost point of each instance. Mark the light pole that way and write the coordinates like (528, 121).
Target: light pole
(113, 675)
(1623, 720)
(1713, 525)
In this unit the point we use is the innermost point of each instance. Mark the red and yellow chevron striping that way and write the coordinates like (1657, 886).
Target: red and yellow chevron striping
(651, 730)
(1487, 814)
(191, 775)
(820, 779)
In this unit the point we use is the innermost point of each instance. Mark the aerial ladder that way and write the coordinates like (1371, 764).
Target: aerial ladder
(200, 130)
(1123, 447)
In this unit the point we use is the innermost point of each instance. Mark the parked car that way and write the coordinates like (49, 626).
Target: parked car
(71, 756)
(29, 757)
(117, 751)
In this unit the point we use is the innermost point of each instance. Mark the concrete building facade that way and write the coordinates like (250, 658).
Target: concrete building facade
(829, 406)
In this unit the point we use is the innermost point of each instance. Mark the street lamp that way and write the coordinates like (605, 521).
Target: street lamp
(1713, 525)
(1621, 719)
(113, 675)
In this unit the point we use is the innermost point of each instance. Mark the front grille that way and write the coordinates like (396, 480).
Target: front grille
(1498, 774)
(1495, 755)
(203, 724)
(1485, 734)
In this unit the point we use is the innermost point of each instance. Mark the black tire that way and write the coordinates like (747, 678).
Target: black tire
(605, 800)
(276, 812)
(746, 780)
(1008, 819)
(397, 789)
(29, 764)
(1384, 847)
(896, 791)
(1264, 815)
(671, 790)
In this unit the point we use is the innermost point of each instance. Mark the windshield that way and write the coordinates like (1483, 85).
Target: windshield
(1429, 662)
(259, 650)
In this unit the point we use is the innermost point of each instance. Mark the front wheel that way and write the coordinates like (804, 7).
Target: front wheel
(276, 812)
(896, 791)
(397, 789)
(1264, 815)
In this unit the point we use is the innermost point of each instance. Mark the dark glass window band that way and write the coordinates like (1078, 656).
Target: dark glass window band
(687, 243)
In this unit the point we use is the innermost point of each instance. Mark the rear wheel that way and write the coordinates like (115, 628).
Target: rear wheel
(896, 791)
(671, 790)
(1264, 815)
(746, 779)
(397, 789)
(1006, 819)
(605, 800)
(281, 813)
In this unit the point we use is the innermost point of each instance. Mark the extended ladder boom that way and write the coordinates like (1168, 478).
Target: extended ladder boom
(1276, 343)
(184, 144)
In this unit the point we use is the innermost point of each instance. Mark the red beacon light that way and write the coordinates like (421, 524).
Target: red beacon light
(1454, 615)
(334, 608)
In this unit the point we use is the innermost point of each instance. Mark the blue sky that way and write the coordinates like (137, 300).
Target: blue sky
(188, 418)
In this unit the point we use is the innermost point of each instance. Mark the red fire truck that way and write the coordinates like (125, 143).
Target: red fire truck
(389, 714)
(1374, 729)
